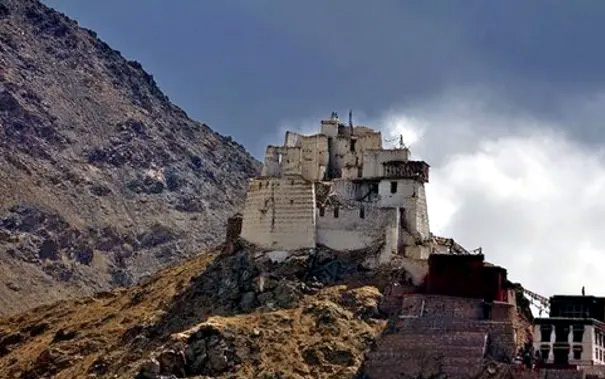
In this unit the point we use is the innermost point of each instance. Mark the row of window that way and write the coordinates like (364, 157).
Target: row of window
(267, 184)
(336, 210)
(561, 333)
(561, 355)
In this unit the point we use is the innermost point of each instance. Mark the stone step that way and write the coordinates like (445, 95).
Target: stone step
(431, 339)
(462, 371)
(461, 361)
(458, 368)
(449, 325)
(395, 352)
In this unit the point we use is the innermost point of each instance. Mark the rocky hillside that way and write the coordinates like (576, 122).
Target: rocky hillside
(246, 314)
(102, 179)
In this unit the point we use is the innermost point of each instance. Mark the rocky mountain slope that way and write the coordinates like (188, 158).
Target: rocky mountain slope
(246, 314)
(102, 179)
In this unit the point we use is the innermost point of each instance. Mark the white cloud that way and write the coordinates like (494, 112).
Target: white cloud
(518, 187)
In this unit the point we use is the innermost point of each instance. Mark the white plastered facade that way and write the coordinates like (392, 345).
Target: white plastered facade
(339, 189)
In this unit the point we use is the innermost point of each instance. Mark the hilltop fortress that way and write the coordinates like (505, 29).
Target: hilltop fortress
(341, 189)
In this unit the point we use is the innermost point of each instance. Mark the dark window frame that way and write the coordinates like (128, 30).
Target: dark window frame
(577, 333)
(545, 333)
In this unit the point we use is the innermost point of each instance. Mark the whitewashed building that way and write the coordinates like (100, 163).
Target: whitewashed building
(574, 334)
(341, 189)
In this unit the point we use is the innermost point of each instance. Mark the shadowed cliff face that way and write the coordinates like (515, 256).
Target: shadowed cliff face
(102, 179)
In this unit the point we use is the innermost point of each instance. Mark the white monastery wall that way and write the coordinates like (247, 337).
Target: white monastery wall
(410, 195)
(348, 190)
(341, 155)
(351, 228)
(291, 161)
(368, 141)
(301, 155)
(329, 128)
(292, 139)
(361, 130)
(279, 214)
(315, 157)
(272, 166)
(346, 154)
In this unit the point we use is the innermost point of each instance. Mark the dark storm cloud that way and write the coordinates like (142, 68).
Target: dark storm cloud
(246, 66)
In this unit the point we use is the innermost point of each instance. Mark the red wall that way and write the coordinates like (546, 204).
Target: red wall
(465, 276)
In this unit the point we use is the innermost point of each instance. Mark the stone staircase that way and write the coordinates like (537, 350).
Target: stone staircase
(440, 337)
(418, 349)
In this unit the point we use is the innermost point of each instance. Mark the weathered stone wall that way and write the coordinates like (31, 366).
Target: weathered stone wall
(503, 311)
(410, 195)
(292, 139)
(346, 154)
(315, 157)
(279, 214)
(351, 231)
(272, 166)
(417, 269)
(361, 130)
(421, 305)
(291, 161)
(373, 160)
(329, 128)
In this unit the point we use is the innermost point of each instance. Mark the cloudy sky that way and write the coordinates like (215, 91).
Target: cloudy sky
(505, 100)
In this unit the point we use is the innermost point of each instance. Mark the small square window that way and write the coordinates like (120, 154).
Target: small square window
(393, 187)
(578, 333)
(545, 333)
(362, 212)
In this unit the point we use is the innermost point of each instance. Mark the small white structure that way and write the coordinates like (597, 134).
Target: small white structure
(574, 334)
(339, 188)
(565, 341)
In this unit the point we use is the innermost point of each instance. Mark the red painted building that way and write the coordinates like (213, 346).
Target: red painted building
(466, 276)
